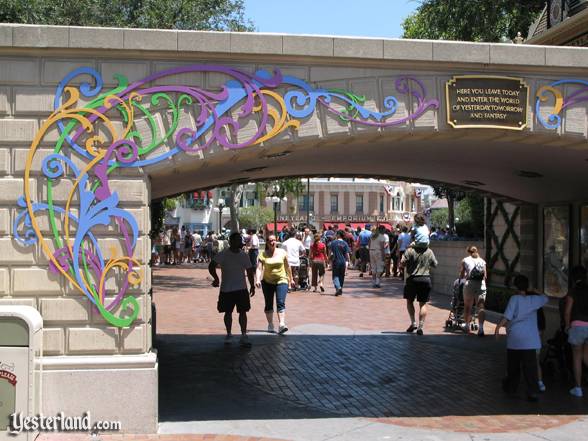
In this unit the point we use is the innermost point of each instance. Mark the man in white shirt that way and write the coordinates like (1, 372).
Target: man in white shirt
(197, 240)
(294, 249)
(253, 243)
(234, 263)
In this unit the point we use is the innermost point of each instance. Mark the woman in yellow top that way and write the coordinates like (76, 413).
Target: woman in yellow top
(274, 276)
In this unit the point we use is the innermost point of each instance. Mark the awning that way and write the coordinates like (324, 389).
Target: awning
(387, 225)
(339, 225)
(280, 225)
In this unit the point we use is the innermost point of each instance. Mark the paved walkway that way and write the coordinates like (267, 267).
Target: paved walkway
(346, 370)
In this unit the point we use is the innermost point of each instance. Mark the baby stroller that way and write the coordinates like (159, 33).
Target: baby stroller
(456, 319)
(303, 279)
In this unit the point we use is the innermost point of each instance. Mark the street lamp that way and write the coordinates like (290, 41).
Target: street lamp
(220, 205)
(276, 201)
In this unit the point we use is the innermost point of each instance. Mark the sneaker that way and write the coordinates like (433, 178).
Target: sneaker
(411, 328)
(282, 329)
(338, 292)
(270, 328)
(244, 342)
(419, 331)
(228, 339)
(577, 392)
(360, 274)
(541, 385)
(322, 289)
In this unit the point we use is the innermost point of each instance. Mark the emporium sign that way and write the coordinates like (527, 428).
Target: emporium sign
(477, 101)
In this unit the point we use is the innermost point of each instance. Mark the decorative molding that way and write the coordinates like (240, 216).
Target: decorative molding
(91, 146)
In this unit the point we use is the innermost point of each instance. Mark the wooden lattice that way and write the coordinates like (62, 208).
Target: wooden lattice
(495, 245)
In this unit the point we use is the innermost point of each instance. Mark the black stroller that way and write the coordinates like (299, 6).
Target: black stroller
(456, 319)
(303, 274)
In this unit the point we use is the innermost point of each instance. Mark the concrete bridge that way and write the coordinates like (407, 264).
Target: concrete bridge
(96, 122)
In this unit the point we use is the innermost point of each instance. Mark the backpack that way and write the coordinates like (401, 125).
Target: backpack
(477, 272)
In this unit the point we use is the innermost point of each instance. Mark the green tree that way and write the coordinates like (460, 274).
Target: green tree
(471, 20)
(216, 15)
(255, 217)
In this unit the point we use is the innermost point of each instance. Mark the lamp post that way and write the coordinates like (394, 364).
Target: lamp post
(220, 205)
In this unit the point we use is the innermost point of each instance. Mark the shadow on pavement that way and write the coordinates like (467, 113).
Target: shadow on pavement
(312, 376)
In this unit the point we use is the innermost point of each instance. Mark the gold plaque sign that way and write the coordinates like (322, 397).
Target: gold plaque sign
(477, 101)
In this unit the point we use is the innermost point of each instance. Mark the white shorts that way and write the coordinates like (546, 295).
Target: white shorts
(475, 289)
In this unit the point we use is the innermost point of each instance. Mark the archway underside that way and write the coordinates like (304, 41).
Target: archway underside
(519, 166)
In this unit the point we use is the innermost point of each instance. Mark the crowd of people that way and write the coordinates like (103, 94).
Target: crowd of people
(299, 259)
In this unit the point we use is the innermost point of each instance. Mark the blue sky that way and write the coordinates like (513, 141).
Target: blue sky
(368, 18)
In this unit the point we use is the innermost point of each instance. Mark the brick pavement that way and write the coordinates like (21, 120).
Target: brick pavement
(154, 437)
(366, 367)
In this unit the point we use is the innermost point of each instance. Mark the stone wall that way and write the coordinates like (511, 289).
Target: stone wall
(449, 254)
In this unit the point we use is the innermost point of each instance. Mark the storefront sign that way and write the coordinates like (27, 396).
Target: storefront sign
(8, 376)
(476, 101)
(340, 218)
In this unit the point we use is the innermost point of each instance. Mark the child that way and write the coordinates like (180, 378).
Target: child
(523, 340)
(420, 233)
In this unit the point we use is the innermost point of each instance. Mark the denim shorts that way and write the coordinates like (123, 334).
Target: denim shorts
(578, 335)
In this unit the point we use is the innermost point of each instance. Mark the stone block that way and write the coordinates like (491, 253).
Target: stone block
(251, 43)
(40, 36)
(20, 158)
(358, 47)
(33, 100)
(65, 309)
(196, 41)
(4, 100)
(4, 162)
(114, 248)
(19, 71)
(4, 281)
(307, 45)
(12, 189)
(61, 191)
(133, 340)
(96, 38)
(130, 191)
(517, 54)
(54, 71)
(368, 89)
(184, 79)
(18, 130)
(12, 252)
(6, 36)
(53, 341)
(150, 39)
(91, 340)
(5, 226)
(18, 301)
(29, 281)
(566, 57)
(417, 50)
(461, 52)
(132, 71)
(98, 320)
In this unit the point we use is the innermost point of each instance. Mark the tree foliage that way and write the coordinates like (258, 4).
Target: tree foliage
(215, 15)
(255, 217)
(471, 20)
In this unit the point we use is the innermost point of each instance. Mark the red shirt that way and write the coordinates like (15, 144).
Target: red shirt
(318, 251)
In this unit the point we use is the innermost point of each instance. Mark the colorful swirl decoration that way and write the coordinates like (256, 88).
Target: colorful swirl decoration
(99, 133)
(552, 92)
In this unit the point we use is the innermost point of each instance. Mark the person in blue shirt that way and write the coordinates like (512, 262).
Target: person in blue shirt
(339, 260)
(522, 338)
(363, 242)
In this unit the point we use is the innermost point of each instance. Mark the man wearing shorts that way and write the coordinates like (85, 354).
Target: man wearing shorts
(234, 263)
(417, 264)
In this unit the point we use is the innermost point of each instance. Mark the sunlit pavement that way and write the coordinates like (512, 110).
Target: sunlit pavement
(346, 370)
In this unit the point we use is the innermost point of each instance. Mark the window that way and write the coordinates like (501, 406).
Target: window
(303, 204)
(412, 204)
(381, 203)
(359, 203)
(556, 250)
(334, 203)
(397, 202)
